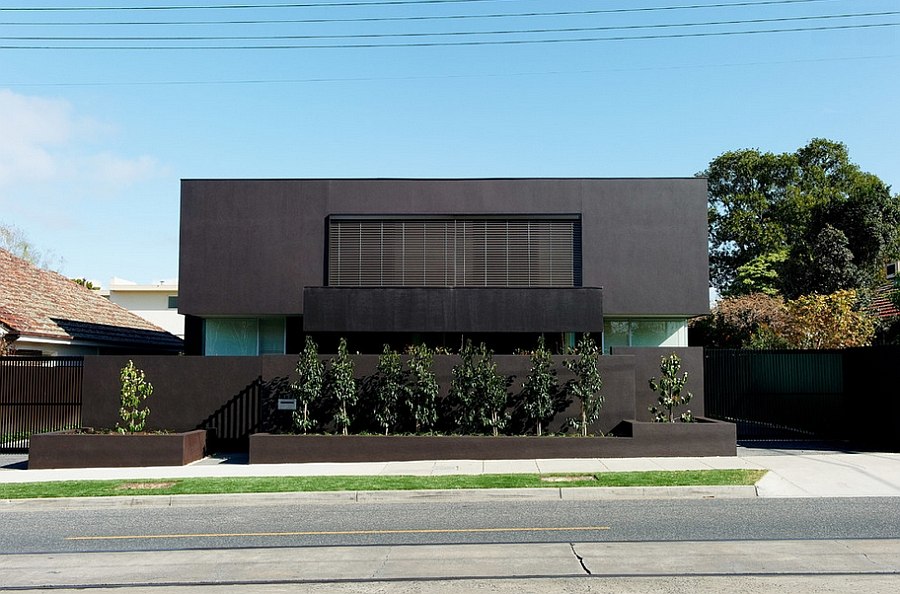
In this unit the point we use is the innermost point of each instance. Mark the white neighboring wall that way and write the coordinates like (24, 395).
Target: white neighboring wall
(151, 302)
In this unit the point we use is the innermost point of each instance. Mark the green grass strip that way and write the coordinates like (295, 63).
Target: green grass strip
(193, 486)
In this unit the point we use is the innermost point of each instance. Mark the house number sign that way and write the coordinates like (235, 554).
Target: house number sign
(287, 404)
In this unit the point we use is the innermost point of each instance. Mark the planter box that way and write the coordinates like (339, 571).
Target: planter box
(68, 449)
(703, 437)
(694, 439)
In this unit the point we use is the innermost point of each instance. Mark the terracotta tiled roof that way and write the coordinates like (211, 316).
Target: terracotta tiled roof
(882, 304)
(40, 303)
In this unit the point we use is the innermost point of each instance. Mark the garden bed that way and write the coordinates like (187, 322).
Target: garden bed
(72, 449)
(633, 440)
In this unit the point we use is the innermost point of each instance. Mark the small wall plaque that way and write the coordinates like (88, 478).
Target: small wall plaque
(287, 404)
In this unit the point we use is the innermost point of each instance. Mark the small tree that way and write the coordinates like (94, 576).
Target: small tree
(494, 398)
(671, 391)
(135, 389)
(464, 389)
(421, 388)
(308, 386)
(388, 388)
(587, 382)
(540, 387)
(342, 387)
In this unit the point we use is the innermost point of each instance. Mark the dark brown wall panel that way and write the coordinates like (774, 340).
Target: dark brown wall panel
(249, 247)
(646, 365)
(452, 310)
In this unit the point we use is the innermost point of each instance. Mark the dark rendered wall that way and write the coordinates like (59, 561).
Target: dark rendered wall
(189, 390)
(249, 247)
(422, 310)
(646, 365)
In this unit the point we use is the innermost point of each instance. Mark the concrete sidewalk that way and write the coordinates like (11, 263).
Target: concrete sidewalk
(792, 473)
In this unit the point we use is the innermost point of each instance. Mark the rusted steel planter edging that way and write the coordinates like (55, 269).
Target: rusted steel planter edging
(648, 439)
(68, 449)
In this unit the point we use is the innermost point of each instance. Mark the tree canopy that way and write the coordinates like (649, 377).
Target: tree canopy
(815, 321)
(798, 223)
(14, 240)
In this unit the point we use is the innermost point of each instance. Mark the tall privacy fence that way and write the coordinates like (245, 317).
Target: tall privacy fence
(233, 397)
(786, 394)
(38, 394)
(848, 395)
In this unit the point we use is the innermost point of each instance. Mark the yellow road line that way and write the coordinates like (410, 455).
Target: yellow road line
(339, 533)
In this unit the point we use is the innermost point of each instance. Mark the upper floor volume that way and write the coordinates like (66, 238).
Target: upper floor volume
(431, 259)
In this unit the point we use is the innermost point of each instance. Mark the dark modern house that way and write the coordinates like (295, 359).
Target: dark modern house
(265, 262)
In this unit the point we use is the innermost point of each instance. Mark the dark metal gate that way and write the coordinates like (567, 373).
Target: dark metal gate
(776, 394)
(38, 394)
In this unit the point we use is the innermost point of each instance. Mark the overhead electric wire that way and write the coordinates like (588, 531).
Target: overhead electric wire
(242, 6)
(458, 43)
(452, 33)
(590, 12)
(278, 81)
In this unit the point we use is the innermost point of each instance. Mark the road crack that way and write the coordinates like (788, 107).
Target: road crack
(580, 559)
(384, 561)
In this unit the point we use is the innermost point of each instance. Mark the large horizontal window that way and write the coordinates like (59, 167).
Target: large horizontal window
(243, 336)
(454, 252)
(644, 332)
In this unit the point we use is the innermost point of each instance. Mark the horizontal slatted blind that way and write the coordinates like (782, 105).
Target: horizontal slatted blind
(488, 252)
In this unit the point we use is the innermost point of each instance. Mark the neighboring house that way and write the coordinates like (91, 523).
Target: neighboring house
(265, 262)
(157, 303)
(882, 301)
(44, 313)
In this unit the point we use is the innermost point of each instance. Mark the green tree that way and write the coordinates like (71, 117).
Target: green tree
(389, 386)
(540, 387)
(464, 389)
(798, 223)
(85, 283)
(757, 320)
(341, 386)
(747, 194)
(833, 321)
(421, 388)
(134, 391)
(671, 391)
(586, 384)
(308, 387)
(494, 400)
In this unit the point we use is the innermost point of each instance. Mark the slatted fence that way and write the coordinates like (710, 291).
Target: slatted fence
(38, 394)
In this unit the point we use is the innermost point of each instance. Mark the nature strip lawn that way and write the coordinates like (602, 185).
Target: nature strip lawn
(194, 486)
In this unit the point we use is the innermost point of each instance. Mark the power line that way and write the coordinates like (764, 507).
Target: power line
(458, 43)
(645, 9)
(240, 6)
(452, 33)
(438, 76)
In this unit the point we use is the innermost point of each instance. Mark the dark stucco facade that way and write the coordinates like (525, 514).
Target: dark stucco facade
(259, 248)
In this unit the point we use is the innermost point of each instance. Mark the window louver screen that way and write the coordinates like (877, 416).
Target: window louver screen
(493, 252)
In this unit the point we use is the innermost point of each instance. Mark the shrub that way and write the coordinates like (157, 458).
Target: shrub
(421, 387)
(135, 390)
(464, 389)
(388, 387)
(586, 384)
(308, 386)
(540, 387)
(671, 391)
(492, 386)
(341, 387)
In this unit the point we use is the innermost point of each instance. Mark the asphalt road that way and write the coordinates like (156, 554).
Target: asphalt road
(442, 523)
(744, 545)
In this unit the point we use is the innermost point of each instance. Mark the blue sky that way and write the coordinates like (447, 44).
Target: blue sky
(93, 142)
